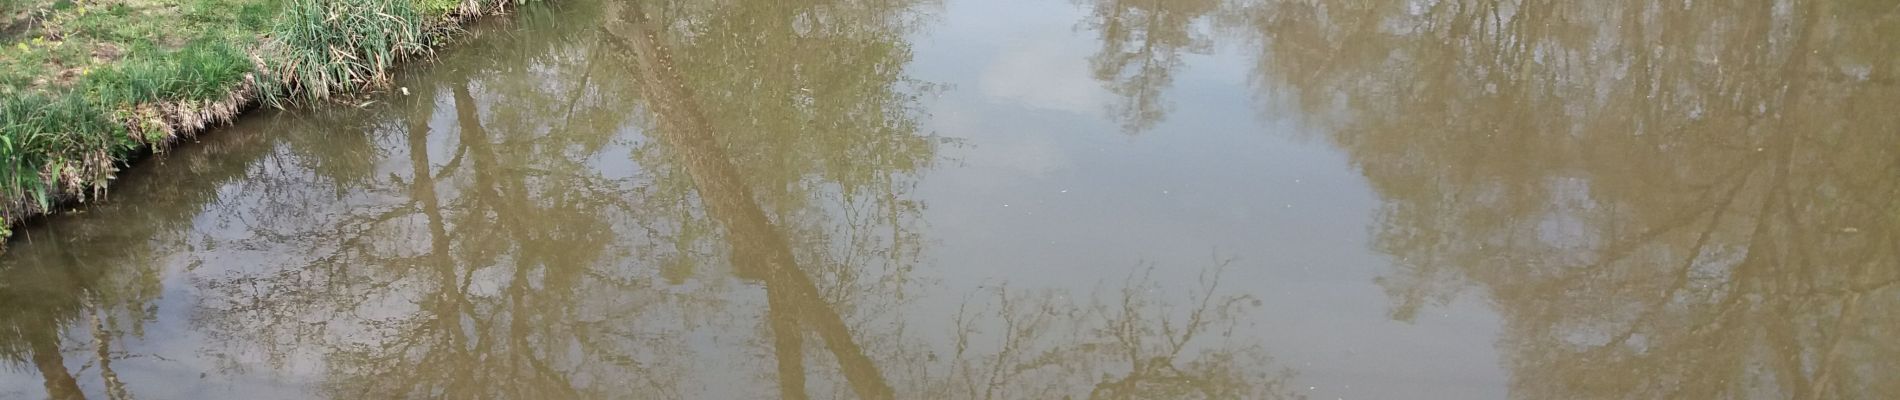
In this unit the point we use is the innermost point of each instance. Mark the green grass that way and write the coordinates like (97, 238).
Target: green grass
(92, 83)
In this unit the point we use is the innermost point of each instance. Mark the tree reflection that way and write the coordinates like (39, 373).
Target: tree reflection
(1142, 45)
(487, 235)
(1663, 199)
(488, 275)
(84, 281)
(521, 284)
(760, 251)
(1128, 343)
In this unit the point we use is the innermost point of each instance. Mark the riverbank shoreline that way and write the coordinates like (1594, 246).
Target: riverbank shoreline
(69, 124)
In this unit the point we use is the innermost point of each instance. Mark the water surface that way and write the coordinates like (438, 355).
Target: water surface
(1021, 200)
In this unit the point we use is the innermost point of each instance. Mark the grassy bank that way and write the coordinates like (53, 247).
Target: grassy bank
(85, 85)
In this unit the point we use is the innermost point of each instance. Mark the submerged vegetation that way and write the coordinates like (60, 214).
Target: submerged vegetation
(87, 84)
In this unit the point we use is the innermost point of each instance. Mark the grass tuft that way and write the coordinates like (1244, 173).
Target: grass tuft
(337, 47)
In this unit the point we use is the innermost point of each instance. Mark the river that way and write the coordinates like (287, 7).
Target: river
(999, 199)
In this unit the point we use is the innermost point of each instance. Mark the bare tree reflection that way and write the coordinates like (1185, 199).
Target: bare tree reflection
(1127, 343)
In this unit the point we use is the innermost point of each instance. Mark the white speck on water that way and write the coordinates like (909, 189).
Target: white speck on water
(1063, 191)
(1164, 192)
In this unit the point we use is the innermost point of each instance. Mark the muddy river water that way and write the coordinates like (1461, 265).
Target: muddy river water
(996, 199)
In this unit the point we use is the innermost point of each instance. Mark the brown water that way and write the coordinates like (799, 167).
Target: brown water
(1022, 200)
